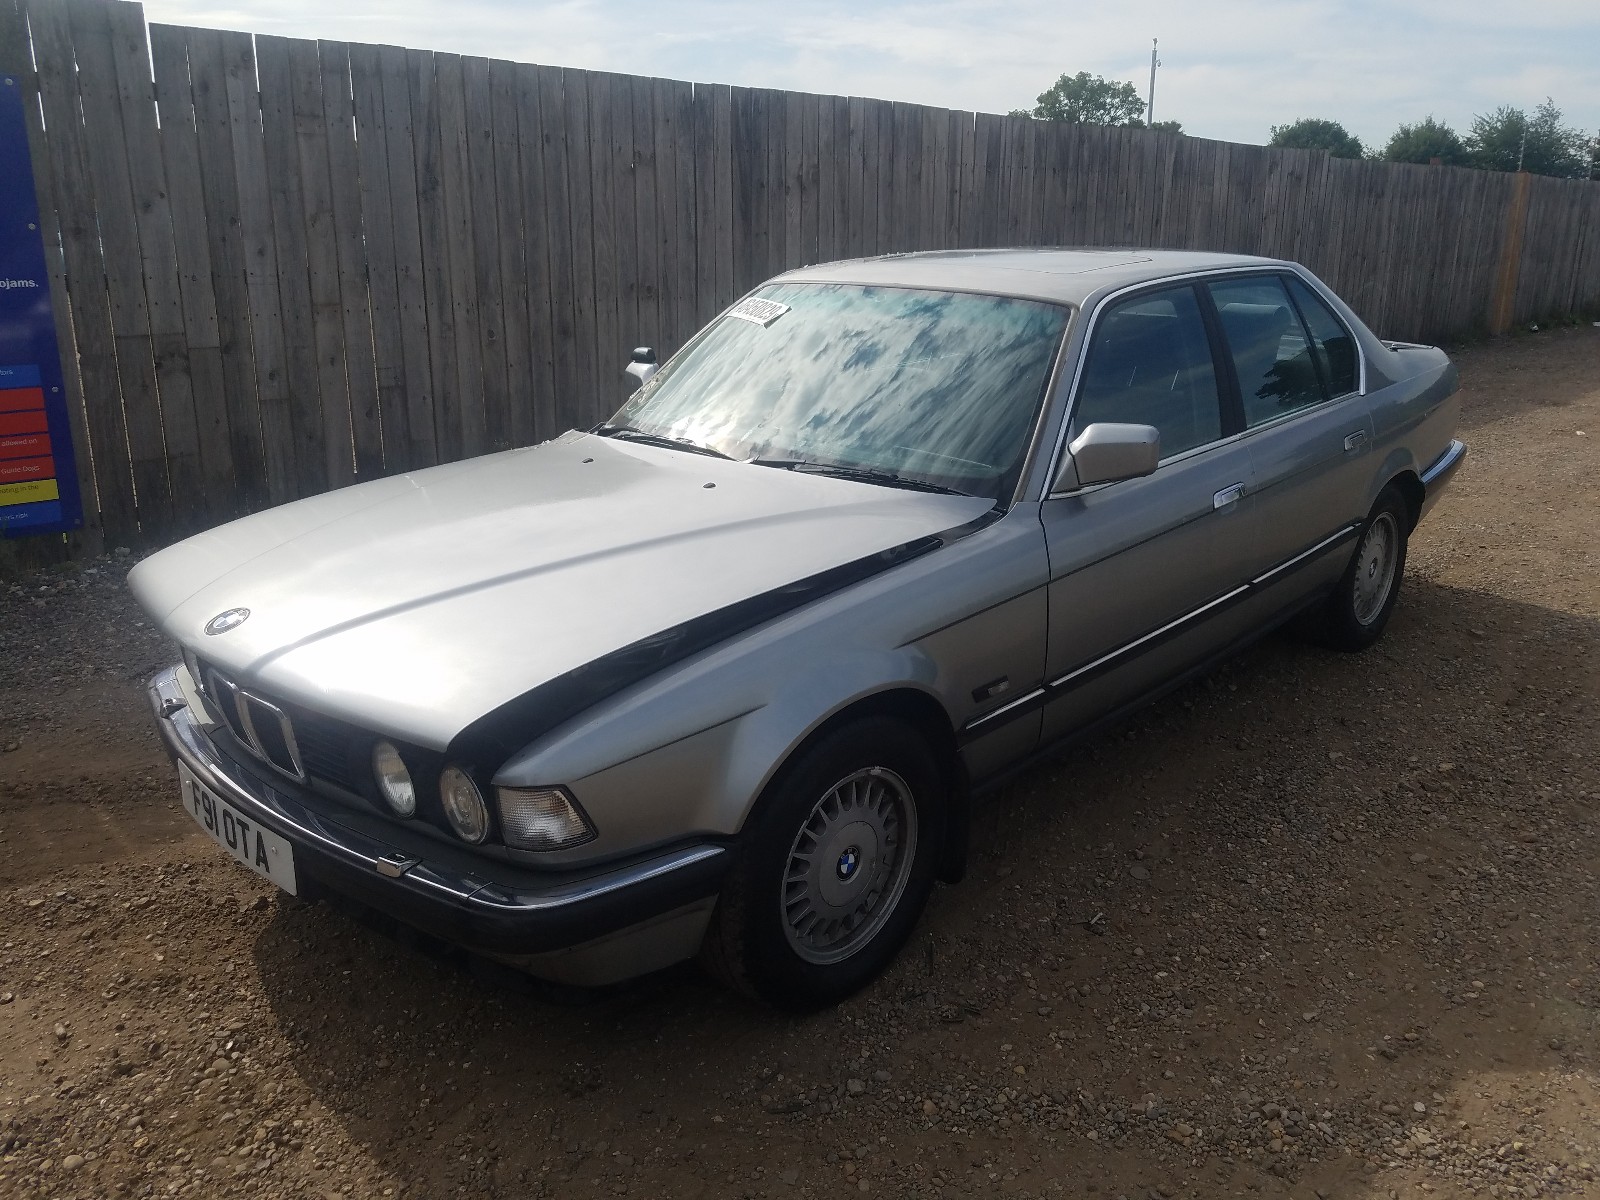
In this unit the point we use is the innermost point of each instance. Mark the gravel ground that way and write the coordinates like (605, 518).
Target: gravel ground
(1316, 925)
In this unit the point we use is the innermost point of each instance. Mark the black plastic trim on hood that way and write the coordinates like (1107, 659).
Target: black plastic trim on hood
(501, 732)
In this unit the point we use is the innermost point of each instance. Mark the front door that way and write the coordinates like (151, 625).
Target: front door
(1142, 571)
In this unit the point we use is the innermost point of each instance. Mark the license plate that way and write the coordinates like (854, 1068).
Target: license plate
(263, 851)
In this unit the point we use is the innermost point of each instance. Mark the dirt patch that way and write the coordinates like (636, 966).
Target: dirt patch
(1315, 925)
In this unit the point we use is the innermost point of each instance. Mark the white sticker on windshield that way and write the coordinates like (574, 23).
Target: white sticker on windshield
(758, 311)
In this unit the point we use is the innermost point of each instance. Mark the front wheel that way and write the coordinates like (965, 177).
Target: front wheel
(834, 870)
(1354, 616)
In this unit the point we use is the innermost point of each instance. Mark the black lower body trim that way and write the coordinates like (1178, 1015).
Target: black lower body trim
(1083, 733)
(1143, 644)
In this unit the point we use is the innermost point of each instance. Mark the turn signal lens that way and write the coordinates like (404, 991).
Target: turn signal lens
(394, 781)
(541, 819)
(463, 804)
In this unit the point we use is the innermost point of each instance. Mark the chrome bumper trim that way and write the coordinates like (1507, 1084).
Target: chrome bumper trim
(553, 911)
(1438, 472)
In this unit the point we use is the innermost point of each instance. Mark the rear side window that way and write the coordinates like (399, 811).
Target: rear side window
(1272, 355)
(1335, 348)
(1150, 364)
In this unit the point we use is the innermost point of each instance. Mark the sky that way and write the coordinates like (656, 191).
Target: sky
(1230, 68)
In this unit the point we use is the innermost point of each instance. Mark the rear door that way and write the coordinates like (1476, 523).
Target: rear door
(1141, 570)
(1308, 429)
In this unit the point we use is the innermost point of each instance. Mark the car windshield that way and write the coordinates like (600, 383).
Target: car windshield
(894, 385)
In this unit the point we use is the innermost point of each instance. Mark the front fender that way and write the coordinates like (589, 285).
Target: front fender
(687, 752)
(706, 783)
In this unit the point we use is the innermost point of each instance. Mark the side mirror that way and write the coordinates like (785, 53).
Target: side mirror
(643, 365)
(1106, 452)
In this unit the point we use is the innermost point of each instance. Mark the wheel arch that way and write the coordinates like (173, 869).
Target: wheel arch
(1409, 485)
(923, 712)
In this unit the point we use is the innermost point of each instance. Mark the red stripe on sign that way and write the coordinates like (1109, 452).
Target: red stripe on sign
(17, 399)
(16, 470)
(23, 422)
(29, 445)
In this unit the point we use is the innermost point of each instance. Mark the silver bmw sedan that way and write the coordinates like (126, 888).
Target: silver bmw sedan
(721, 676)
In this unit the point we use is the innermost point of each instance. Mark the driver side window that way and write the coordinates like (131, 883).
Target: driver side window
(1150, 363)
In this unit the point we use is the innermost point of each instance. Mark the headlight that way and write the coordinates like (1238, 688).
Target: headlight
(394, 781)
(463, 804)
(541, 819)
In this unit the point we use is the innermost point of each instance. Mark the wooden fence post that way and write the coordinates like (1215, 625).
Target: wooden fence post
(1502, 300)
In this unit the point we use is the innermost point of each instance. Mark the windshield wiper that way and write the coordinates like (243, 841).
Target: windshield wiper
(859, 474)
(628, 433)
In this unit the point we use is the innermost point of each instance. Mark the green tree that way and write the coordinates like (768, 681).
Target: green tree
(1314, 133)
(1425, 141)
(1166, 126)
(1541, 143)
(1086, 99)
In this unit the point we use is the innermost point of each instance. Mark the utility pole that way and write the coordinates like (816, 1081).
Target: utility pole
(1150, 106)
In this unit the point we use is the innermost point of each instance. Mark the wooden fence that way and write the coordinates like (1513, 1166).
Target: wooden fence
(283, 266)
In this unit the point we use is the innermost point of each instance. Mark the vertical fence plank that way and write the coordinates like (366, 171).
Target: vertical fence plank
(706, 152)
(180, 159)
(350, 241)
(209, 54)
(325, 423)
(401, 142)
(639, 260)
(483, 209)
(378, 233)
(610, 116)
(169, 347)
(517, 251)
(255, 214)
(553, 311)
(462, 410)
(675, 217)
(432, 233)
(582, 235)
(290, 268)
(92, 39)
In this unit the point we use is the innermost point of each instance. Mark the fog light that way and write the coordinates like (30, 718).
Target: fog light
(463, 804)
(394, 781)
(541, 819)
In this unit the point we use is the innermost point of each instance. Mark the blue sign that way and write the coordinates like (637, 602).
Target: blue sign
(38, 473)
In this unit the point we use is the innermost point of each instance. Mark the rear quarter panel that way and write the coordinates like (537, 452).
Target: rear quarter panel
(1415, 415)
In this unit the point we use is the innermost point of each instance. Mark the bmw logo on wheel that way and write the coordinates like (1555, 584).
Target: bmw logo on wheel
(848, 862)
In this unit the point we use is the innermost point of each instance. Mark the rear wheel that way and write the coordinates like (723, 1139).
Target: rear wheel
(835, 869)
(1355, 614)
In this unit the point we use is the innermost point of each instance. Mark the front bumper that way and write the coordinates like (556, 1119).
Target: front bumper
(1438, 474)
(491, 907)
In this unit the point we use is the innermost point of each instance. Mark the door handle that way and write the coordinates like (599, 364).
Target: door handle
(1228, 495)
(1355, 440)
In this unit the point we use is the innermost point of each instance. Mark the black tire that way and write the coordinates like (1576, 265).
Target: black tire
(1353, 617)
(778, 882)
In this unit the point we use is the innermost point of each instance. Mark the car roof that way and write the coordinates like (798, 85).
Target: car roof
(1060, 275)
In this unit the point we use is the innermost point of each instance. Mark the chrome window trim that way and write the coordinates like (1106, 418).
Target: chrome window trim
(1332, 303)
(1071, 401)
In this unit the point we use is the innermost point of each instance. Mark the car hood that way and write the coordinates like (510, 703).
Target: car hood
(413, 605)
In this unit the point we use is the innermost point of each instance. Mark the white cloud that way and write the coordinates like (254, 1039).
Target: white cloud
(1231, 68)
